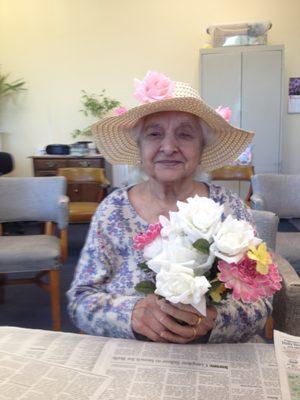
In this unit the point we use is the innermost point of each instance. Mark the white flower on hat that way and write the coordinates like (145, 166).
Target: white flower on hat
(233, 239)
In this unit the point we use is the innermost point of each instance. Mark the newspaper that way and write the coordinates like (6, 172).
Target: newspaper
(29, 379)
(146, 371)
(69, 349)
(287, 349)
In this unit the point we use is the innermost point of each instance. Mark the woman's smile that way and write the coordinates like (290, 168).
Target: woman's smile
(168, 163)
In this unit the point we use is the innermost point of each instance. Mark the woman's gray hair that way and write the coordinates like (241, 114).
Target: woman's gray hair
(136, 130)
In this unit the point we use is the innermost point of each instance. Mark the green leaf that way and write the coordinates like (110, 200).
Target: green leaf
(202, 245)
(144, 267)
(215, 284)
(9, 88)
(145, 287)
(217, 292)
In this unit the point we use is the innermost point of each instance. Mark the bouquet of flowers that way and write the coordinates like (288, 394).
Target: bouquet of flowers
(198, 257)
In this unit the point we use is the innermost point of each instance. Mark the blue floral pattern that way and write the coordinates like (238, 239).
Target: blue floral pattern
(102, 294)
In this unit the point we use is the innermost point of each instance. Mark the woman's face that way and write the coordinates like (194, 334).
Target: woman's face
(170, 145)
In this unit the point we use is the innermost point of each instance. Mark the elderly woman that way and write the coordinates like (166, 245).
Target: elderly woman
(169, 135)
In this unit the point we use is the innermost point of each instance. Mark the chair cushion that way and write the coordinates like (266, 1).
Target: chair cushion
(288, 246)
(29, 253)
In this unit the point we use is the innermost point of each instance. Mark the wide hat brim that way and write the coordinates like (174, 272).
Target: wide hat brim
(113, 136)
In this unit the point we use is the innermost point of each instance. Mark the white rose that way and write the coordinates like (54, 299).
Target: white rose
(200, 217)
(170, 227)
(179, 285)
(233, 239)
(180, 251)
(154, 248)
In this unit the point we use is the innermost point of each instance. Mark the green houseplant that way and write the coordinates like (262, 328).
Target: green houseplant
(97, 106)
(9, 88)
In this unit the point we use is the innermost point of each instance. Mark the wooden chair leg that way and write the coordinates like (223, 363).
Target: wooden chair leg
(64, 244)
(269, 328)
(49, 228)
(55, 299)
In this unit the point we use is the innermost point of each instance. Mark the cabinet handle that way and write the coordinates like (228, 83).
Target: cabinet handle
(75, 190)
(85, 163)
(51, 164)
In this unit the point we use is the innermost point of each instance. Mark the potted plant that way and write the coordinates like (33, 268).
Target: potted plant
(97, 106)
(9, 88)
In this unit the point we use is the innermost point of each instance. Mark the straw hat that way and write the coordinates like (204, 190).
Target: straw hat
(113, 134)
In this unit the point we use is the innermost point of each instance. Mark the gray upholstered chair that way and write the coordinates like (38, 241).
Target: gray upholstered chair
(34, 199)
(267, 225)
(281, 195)
(286, 302)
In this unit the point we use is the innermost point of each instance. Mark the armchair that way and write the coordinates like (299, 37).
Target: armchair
(281, 195)
(34, 199)
(286, 302)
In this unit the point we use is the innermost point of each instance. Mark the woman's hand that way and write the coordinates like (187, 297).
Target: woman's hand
(161, 321)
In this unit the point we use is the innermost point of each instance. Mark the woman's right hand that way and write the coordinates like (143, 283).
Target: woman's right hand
(149, 319)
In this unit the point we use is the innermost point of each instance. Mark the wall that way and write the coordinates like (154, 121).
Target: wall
(60, 47)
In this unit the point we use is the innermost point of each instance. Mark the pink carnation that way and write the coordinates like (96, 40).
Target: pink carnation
(225, 112)
(142, 239)
(155, 86)
(120, 110)
(246, 283)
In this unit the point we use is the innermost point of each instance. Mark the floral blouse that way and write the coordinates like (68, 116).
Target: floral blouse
(102, 294)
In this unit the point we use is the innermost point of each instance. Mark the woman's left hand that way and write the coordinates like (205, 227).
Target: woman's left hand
(181, 311)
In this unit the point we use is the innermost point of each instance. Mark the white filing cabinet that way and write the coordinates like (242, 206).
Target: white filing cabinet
(249, 80)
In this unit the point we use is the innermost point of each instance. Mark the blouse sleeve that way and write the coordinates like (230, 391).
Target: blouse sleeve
(93, 306)
(237, 321)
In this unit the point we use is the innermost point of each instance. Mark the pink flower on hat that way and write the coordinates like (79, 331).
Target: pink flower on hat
(120, 110)
(225, 112)
(155, 86)
(246, 283)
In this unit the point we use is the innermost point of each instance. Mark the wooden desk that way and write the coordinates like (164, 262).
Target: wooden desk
(86, 191)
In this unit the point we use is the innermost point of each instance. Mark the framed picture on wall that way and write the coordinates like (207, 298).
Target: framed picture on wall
(294, 96)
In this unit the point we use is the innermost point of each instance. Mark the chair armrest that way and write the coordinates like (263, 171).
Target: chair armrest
(257, 201)
(286, 303)
(63, 212)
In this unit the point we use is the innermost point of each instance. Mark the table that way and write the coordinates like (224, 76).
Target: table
(38, 364)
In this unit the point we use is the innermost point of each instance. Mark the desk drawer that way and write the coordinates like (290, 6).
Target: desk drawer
(94, 163)
(51, 164)
(45, 173)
